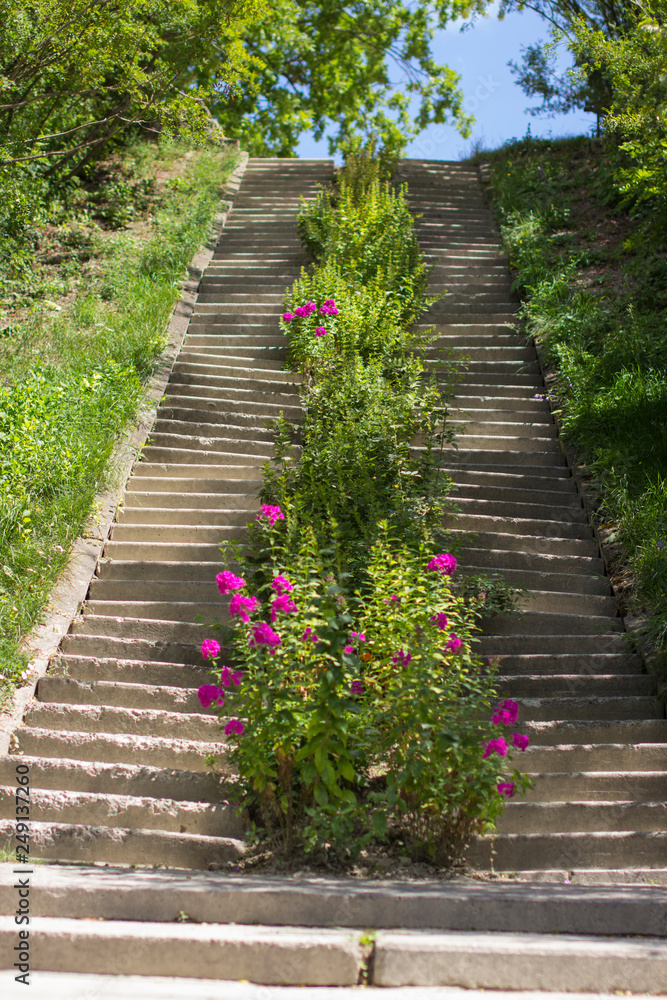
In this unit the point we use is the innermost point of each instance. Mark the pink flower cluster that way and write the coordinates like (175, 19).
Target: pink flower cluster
(242, 607)
(401, 657)
(506, 714)
(283, 604)
(227, 582)
(211, 693)
(506, 788)
(328, 308)
(361, 636)
(263, 635)
(454, 643)
(444, 563)
(310, 636)
(234, 728)
(320, 331)
(440, 620)
(356, 687)
(281, 585)
(271, 512)
(210, 649)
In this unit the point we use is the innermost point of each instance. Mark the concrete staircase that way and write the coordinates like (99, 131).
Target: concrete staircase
(599, 738)
(116, 738)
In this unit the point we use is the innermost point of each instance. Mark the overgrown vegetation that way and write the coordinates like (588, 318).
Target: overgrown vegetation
(593, 271)
(76, 345)
(361, 713)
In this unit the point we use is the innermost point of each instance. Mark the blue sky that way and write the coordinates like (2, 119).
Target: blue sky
(480, 55)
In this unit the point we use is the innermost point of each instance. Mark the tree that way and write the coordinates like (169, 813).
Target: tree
(586, 86)
(76, 73)
(334, 66)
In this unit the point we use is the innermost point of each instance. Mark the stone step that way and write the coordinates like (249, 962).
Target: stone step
(126, 627)
(117, 748)
(90, 809)
(267, 955)
(119, 694)
(124, 719)
(546, 623)
(125, 779)
(584, 664)
(240, 493)
(154, 455)
(521, 509)
(192, 516)
(616, 712)
(595, 757)
(576, 643)
(567, 584)
(144, 673)
(486, 490)
(117, 845)
(589, 686)
(173, 470)
(163, 551)
(217, 443)
(170, 533)
(166, 611)
(527, 543)
(638, 786)
(125, 648)
(583, 817)
(567, 603)
(567, 851)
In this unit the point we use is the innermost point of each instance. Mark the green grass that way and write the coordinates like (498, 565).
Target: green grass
(595, 296)
(72, 372)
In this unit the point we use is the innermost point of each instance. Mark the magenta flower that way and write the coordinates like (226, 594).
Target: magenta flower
(311, 307)
(356, 687)
(320, 331)
(263, 635)
(506, 788)
(361, 636)
(301, 312)
(271, 512)
(388, 600)
(348, 649)
(454, 643)
(288, 317)
(283, 604)
(495, 746)
(506, 714)
(210, 649)
(209, 693)
(242, 607)
(520, 741)
(234, 728)
(440, 620)
(228, 677)
(401, 657)
(281, 585)
(227, 582)
(309, 636)
(444, 563)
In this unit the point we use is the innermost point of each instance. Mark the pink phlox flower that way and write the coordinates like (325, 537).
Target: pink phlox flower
(228, 677)
(301, 311)
(454, 643)
(281, 585)
(520, 741)
(210, 649)
(440, 620)
(361, 636)
(283, 604)
(348, 649)
(506, 788)
(401, 657)
(242, 607)
(263, 635)
(288, 317)
(495, 746)
(320, 331)
(311, 307)
(506, 714)
(356, 687)
(388, 600)
(444, 563)
(271, 512)
(310, 636)
(209, 693)
(234, 728)
(227, 582)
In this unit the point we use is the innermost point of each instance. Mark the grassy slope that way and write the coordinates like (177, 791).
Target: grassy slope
(595, 295)
(85, 306)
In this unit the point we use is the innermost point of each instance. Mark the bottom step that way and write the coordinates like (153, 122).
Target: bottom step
(307, 956)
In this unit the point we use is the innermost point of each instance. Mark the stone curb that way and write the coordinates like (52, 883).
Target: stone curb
(72, 586)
